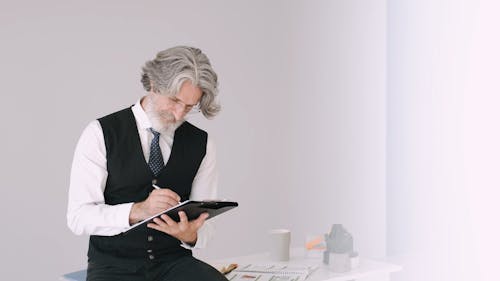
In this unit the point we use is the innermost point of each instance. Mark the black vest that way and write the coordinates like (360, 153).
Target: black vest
(130, 180)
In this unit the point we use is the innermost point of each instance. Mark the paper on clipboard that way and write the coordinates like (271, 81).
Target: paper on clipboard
(193, 210)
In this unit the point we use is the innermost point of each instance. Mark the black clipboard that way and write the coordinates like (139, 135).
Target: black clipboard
(193, 210)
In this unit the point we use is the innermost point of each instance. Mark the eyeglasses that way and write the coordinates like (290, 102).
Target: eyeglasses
(186, 108)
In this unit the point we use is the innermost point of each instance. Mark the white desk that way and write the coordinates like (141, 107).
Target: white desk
(366, 267)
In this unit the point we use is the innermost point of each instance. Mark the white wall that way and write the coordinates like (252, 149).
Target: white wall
(482, 138)
(334, 165)
(301, 139)
(443, 138)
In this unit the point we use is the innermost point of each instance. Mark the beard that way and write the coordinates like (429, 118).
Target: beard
(162, 121)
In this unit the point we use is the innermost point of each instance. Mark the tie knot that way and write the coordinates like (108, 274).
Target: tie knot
(155, 133)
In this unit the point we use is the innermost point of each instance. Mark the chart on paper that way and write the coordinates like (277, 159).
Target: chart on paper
(270, 272)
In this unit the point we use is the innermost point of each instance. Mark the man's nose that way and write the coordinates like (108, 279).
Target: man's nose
(179, 113)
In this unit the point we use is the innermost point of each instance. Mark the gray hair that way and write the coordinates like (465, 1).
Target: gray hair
(172, 67)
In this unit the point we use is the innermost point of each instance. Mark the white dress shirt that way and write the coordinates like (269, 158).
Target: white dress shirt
(87, 211)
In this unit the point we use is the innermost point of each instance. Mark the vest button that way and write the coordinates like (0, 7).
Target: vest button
(150, 251)
(150, 238)
(154, 181)
(151, 257)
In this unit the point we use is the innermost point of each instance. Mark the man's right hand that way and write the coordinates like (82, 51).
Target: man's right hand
(157, 201)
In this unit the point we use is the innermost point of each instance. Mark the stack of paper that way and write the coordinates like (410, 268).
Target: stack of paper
(270, 272)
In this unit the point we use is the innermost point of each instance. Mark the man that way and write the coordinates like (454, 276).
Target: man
(121, 156)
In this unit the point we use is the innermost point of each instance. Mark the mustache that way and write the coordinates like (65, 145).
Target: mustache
(164, 115)
(163, 121)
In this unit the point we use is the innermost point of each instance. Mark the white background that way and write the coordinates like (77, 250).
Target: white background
(443, 139)
(300, 140)
(381, 115)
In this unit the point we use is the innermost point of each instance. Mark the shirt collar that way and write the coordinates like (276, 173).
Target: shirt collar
(140, 116)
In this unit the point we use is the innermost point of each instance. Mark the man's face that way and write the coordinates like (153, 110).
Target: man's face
(166, 111)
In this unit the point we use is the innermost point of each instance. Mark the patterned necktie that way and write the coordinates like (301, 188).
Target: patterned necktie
(155, 157)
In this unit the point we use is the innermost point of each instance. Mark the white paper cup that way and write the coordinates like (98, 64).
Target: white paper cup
(279, 244)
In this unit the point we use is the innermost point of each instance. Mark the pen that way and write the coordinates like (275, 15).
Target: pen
(227, 269)
(157, 187)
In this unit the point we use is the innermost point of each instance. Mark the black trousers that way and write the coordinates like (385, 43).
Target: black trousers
(186, 268)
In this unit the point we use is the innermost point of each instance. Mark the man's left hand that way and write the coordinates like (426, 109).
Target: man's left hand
(184, 230)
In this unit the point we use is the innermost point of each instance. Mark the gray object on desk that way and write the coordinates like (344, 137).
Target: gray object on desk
(338, 241)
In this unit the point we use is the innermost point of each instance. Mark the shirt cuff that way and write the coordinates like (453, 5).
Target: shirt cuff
(187, 246)
(124, 214)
